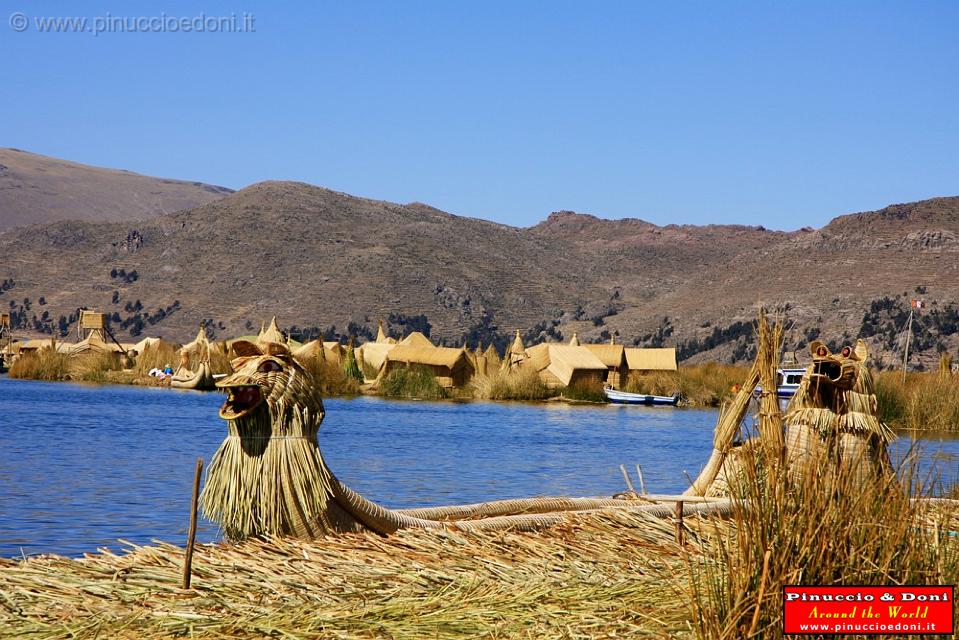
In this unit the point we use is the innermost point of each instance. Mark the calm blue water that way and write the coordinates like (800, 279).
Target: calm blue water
(81, 466)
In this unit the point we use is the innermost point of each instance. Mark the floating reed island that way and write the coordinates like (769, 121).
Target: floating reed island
(809, 498)
(411, 367)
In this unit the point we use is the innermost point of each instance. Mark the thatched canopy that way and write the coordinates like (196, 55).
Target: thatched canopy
(611, 355)
(562, 365)
(334, 351)
(515, 353)
(271, 334)
(452, 367)
(374, 353)
(38, 343)
(199, 349)
(437, 356)
(381, 337)
(416, 339)
(141, 346)
(663, 359)
(310, 351)
(93, 343)
(492, 355)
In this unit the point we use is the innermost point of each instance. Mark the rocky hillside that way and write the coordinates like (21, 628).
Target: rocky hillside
(330, 263)
(35, 189)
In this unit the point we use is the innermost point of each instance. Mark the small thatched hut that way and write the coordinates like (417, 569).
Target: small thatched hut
(614, 357)
(451, 367)
(373, 354)
(515, 353)
(561, 365)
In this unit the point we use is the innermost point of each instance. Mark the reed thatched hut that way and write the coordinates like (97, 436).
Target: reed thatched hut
(373, 354)
(561, 365)
(613, 356)
(451, 367)
(515, 354)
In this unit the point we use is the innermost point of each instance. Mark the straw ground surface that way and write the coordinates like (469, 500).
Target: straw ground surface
(599, 576)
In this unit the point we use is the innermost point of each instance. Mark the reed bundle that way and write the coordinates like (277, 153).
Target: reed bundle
(271, 477)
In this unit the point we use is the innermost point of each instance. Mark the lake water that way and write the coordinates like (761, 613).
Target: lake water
(82, 466)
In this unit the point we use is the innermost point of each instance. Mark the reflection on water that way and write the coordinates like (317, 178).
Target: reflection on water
(81, 466)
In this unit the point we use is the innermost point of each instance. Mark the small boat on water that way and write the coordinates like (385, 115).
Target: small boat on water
(787, 382)
(622, 397)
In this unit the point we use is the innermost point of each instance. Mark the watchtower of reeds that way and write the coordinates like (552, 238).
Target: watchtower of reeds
(91, 322)
(93, 326)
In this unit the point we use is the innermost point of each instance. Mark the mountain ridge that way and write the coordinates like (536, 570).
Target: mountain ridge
(329, 262)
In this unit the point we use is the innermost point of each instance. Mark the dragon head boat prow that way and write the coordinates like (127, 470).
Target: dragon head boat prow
(266, 376)
(835, 413)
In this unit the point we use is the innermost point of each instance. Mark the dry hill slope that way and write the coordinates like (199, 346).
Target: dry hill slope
(319, 258)
(36, 189)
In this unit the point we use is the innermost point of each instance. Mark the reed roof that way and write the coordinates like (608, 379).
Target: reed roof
(272, 333)
(432, 356)
(563, 361)
(611, 355)
(416, 339)
(660, 359)
(374, 353)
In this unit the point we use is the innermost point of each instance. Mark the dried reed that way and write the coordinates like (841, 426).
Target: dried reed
(521, 383)
(593, 576)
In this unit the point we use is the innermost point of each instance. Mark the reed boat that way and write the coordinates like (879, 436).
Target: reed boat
(623, 397)
(199, 380)
(787, 383)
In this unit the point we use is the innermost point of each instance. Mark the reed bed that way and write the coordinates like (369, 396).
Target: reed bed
(43, 364)
(812, 521)
(701, 385)
(923, 402)
(585, 391)
(412, 382)
(598, 576)
(47, 364)
(823, 530)
(522, 383)
(330, 377)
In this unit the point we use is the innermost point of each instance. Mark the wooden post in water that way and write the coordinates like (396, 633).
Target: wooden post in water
(191, 538)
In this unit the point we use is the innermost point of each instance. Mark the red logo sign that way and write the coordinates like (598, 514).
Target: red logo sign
(908, 610)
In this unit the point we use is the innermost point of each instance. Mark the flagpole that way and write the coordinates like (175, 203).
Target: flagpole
(905, 358)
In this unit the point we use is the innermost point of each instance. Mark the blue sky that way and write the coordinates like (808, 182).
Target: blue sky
(781, 114)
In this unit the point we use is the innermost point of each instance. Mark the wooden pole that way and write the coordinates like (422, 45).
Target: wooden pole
(642, 483)
(680, 534)
(629, 484)
(191, 539)
(905, 358)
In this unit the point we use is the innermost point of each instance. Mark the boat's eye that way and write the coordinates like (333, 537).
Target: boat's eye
(846, 351)
(822, 352)
(269, 366)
